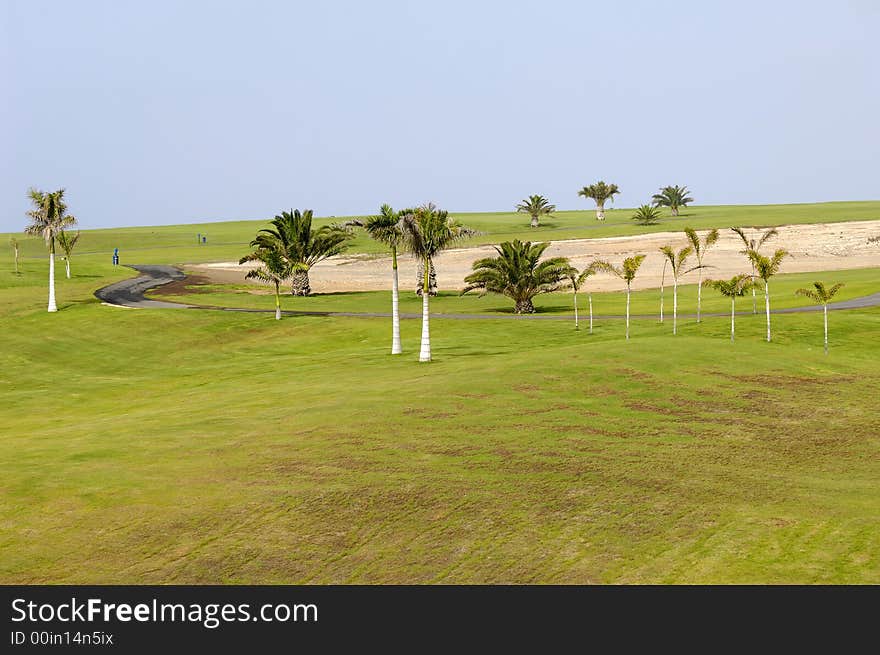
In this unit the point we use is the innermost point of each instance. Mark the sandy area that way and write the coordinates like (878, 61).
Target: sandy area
(821, 247)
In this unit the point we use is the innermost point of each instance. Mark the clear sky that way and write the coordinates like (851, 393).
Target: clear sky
(157, 112)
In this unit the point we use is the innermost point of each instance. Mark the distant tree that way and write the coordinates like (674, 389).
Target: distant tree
(67, 242)
(765, 268)
(627, 273)
(518, 273)
(674, 197)
(600, 193)
(536, 206)
(385, 228)
(275, 267)
(700, 250)
(677, 262)
(14, 243)
(754, 243)
(49, 217)
(428, 231)
(822, 295)
(577, 280)
(732, 288)
(303, 246)
(647, 215)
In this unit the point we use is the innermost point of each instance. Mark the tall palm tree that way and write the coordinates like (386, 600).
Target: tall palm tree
(428, 231)
(700, 250)
(674, 197)
(274, 267)
(647, 215)
(732, 288)
(385, 228)
(627, 273)
(601, 193)
(577, 280)
(754, 243)
(303, 246)
(823, 295)
(676, 261)
(765, 268)
(536, 206)
(518, 273)
(67, 243)
(49, 217)
(14, 243)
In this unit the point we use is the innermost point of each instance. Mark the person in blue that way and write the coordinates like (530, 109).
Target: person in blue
(116, 256)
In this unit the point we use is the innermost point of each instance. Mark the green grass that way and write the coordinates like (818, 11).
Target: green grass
(193, 447)
(858, 282)
(228, 240)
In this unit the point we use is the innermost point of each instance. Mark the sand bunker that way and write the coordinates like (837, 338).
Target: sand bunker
(821, 247)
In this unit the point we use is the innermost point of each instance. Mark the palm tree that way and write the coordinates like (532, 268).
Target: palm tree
(385, 228)
(627, 273)
(732, 288)
(14, 243)
(577, 279)
(676, 261)
(274, 267)
(662, 283)
(821, 294)
(601, 193)
(303, 247)
(754, 243)
(765, 268)
(428, 231)
(536, 206)
(700, 250)
(49, 217)
(518, 273)
(647, 215)
(673, 197)
(67, 243)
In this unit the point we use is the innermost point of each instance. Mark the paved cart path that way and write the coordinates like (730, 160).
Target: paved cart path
(130, 293)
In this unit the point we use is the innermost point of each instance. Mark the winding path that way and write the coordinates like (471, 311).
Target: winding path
(130, 293)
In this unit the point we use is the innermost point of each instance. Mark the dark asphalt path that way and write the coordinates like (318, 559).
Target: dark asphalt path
(130, 293)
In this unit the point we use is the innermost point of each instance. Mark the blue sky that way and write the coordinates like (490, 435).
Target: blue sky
(171, 112)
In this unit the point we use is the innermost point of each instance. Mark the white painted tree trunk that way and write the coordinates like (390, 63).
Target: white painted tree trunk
(675, 305)
(662, 284)
(767, 304)
(52, 306)
(732, 315)
(425, 352)
(396, 348)
(627, 310)
(825, 312)
(754, 292)
(67, 266)
(277, 301)
(699, 291)
(590, 297)
(600, 211)
(576, 311)
(16, 260)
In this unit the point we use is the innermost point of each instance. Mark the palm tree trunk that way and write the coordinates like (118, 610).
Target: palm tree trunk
(627, 310)
(395, 306)
(754, 292)
(600, 211)
(277, 300)
(52, 306)
(300, 284)
(675, 305)
(699, 291)
(590, 297)
(535, 221)
(825, 311)
(67, 265)
(767, 304)
(425, 352)
(732, 315)
(662, 282)
(576, 311)
(674, 211)
(16, 260)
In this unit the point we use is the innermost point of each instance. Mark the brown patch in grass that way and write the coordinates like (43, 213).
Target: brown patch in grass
(187, 286)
